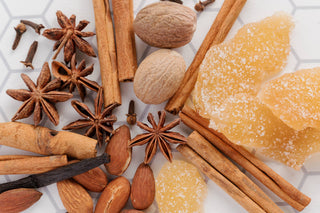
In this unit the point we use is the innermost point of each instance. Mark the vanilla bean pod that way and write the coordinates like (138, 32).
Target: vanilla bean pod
(56, 175)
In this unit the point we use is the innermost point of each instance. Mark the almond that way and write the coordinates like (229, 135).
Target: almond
(114, 197)
(74, 197)
(119, 152)
(143, 187)
(94, 180)
(17, 200)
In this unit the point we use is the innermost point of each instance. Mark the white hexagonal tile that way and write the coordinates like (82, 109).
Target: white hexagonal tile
(3, 71)
(25, 8)
(312, 164)
(306, 3)
(311, 187)
(306, 33)
(4, 18)
(308, 65)
(13, 57)
(260, 9)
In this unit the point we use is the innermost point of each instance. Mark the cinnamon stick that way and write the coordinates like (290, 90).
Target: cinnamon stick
(220, 180)
(13, 157)
(125, 39)
(258, 169)
(107, 52)
(45, 141)
(32, 165)
(222, 164)
(217, 33)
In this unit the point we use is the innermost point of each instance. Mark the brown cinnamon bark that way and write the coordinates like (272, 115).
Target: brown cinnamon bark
(222, 164)
(249, 162)
(220, 180)
(32, 165)
(217, 33)
(107, 52)
(45, 141)
(125, 40)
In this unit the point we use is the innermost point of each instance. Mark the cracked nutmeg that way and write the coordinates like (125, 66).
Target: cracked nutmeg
(99, 122)
(40, 96)
(74, 77)
(69, 36)
(159, 135)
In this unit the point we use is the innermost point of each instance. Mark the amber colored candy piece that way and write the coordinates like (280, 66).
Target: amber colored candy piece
(295, 98)
(246, 121)
(257, 52)
(180, 188)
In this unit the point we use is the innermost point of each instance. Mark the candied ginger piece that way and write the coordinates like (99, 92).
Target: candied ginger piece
(244, 120)
(180, 188)
(295, 98)
(257, 52)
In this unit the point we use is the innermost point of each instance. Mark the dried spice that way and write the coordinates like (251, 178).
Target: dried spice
(158, 136)
(53, 176)
(35, 26)
(32, 51)
(74, 77)
(176, 1)
(99, 123)
(202, 4)
(40, 96)
(20, 29)
(131, 116)
(69, 36)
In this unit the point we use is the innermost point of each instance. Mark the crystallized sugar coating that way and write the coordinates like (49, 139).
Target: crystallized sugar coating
(295, 98)
(246, 121)
(180, 188)
(258, 51)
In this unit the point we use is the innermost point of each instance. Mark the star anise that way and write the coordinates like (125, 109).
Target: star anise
(40, 96)
(98, 123)
(74, 77)
(158, 136)
(69, 36)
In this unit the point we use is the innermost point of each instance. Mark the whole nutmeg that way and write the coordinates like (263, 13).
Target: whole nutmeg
(165, 24)
(158, 76)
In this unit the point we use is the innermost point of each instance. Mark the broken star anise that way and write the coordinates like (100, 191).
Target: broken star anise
(158, 136)
(69, 36)
(74, 77)
(98, 123)
(40, 96)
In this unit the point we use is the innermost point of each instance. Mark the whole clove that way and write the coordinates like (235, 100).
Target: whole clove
(32, 51)
(35, 26)
(202, 4)
(56, 175)
(131, 116)
(20, 29)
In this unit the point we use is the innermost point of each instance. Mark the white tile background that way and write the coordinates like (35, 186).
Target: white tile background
(305, 52)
